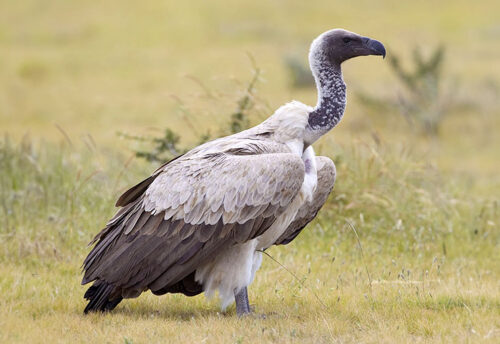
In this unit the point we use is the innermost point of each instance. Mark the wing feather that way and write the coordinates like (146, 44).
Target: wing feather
(193, 207)
(136, 191)
(326, 179)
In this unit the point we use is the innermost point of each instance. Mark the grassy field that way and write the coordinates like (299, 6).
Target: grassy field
(407, 248)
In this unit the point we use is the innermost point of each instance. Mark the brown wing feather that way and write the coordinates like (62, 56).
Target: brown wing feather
(163, 236)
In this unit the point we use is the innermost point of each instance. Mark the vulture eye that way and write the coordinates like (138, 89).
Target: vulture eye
(346, 39)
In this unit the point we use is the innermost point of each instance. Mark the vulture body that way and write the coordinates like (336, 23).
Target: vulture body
(199, 222)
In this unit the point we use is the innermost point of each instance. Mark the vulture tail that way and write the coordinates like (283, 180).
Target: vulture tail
(99, 298)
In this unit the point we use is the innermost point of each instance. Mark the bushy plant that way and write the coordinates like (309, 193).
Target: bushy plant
(168, 146)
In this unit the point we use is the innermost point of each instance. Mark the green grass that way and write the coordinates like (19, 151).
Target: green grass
(427, 267)
(427, 213)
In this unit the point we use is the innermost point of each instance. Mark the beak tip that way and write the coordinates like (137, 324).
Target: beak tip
(376, 48)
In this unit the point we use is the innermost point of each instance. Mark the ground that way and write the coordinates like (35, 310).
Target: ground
(405, 250)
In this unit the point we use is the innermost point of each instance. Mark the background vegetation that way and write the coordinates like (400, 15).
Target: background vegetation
(407, 248)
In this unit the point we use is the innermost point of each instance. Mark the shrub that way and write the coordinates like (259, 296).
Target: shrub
(168, 146)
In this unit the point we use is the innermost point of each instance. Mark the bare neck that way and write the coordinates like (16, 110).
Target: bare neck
(331, 102)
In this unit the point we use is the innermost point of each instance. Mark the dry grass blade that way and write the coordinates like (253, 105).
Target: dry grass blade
(362, 253)
(296, 278)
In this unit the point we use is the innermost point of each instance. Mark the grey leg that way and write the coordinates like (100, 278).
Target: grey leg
(242, 305)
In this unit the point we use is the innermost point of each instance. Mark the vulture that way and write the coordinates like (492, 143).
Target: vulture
(201, 221)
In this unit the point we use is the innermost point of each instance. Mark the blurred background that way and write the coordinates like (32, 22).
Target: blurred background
(136, 67)
(94, 95)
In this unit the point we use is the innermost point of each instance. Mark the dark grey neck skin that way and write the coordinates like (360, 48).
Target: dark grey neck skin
(331, 101)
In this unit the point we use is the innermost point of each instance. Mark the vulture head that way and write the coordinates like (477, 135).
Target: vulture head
(327, 53)
(333, 47)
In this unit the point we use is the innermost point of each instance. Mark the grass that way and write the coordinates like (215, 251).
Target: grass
(424, 270)
(426, 211)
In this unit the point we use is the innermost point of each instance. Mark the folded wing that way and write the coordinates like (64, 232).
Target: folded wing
(191, 209)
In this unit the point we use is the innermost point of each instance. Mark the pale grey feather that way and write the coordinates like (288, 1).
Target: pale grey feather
(326, 180)
(194, 205)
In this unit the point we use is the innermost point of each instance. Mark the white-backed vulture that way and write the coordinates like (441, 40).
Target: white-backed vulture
(200, 222)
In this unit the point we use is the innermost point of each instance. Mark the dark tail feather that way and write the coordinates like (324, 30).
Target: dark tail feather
(98, 296)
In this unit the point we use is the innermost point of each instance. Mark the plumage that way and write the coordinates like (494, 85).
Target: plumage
(199, 222)
(326, 180)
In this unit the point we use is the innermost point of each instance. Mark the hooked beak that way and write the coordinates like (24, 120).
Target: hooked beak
(374, 47)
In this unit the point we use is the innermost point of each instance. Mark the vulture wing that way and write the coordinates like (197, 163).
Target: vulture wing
(326, 179)
(187, 212)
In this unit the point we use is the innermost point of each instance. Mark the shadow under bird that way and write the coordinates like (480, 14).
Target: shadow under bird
(199, 222)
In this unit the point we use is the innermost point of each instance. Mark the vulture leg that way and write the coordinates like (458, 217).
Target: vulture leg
(242, 305)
